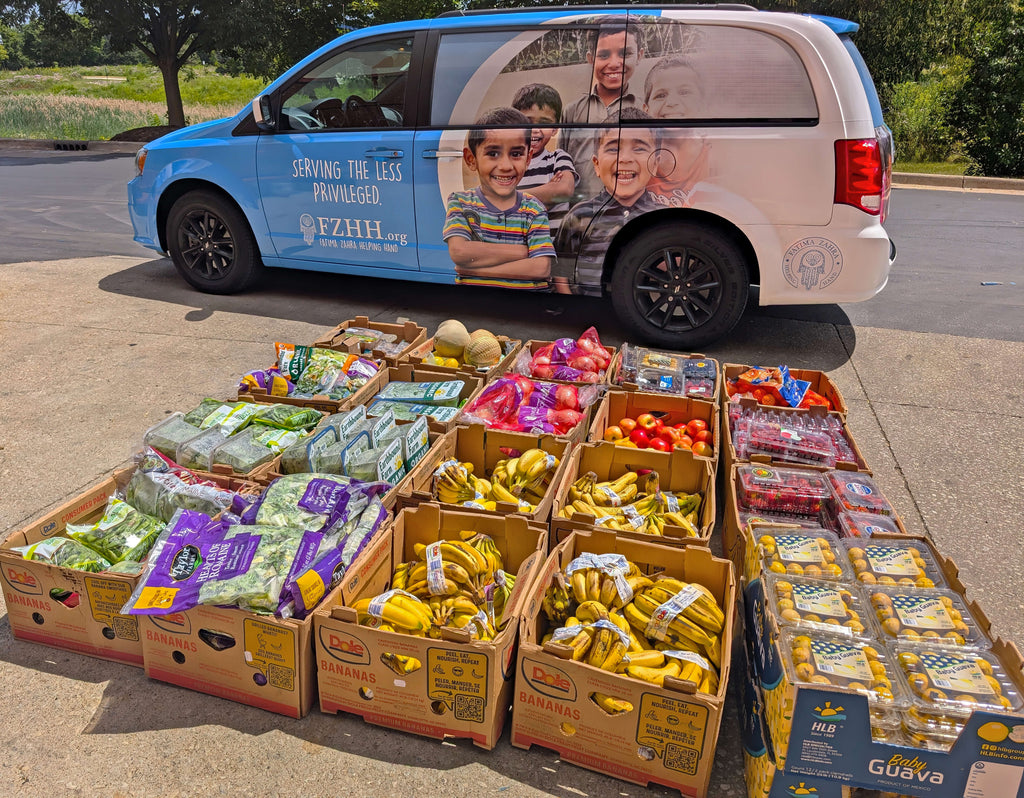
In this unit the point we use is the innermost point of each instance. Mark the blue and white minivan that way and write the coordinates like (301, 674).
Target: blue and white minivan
(668, 157)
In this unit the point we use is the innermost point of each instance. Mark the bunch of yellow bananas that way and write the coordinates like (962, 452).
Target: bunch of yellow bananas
(666, 627)
(400, 663)
(454, 483)
(460, 583)
(523, 479)
(626, 505)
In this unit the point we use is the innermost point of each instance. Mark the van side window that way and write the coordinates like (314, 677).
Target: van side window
(360, 87)
(719, 73)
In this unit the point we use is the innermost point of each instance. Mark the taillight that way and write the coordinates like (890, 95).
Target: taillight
(860, 175)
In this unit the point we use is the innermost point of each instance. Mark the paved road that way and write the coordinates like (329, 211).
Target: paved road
(100, 348)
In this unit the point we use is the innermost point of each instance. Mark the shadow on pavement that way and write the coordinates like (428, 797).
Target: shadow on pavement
(37, 158)
(801, 336)
(132, 703)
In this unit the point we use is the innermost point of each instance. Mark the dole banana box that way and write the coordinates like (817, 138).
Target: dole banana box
(678, 471)
(819, 382)
(483, 448)
(448, 687)
(65, 608)
(259, 660)
(618, 404)
(826, 732)
(669, 734)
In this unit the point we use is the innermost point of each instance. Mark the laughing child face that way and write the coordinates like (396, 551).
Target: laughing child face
(500, 161)
(623, 162)
(544, 120)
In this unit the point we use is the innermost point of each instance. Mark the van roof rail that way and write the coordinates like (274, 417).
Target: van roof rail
(599, 8)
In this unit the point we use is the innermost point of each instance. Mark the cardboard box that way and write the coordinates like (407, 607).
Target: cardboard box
(259, 660)
(617, 381)
(825, 732)
(482, 447)
(320, 402)
(509, 346)
(462, 687)
(670, 735)
(618, 404)
(820, 383)
(678, 470)
(407, 372)
(730, 458)
(69, 609)
(763, 777)
(732, 532)
(532, 347)
(408, 332)
(64, 608)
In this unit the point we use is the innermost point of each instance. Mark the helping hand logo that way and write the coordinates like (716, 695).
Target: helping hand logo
(307, 227)
(829, 713)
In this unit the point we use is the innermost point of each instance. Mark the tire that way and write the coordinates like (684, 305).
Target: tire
(211, 243)
(680, 308)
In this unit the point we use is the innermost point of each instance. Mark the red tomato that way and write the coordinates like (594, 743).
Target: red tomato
(660, 445)
(640, 438)
(694, 426)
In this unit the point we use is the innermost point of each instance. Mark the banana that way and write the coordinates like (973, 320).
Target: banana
(619, 485)
(679, 624)
(601, 647)
(652, 483)
(579, 585)
(609, 590)
(581, 644)
(615, 656)
(502, 494)
(591, 612)
(593, 584)
(462, 554)
(691, 672)
(400, 618)
(651, 658)
(654, 675)
(613, 706)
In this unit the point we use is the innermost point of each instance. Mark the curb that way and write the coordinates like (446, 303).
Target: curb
(962, 182)
(76, 145)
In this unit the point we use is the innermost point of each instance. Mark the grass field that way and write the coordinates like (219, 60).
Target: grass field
(98, 102)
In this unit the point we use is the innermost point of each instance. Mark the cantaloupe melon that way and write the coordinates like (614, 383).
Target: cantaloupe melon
(451, 338)
(483, 350)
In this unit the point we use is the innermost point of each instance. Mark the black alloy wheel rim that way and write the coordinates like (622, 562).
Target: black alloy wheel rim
(206, 245)
(677, 289)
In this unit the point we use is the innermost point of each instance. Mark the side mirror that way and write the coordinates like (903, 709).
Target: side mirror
(263, 113)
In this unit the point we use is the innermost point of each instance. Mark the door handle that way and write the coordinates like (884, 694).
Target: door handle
(442, 153)
(382, 153)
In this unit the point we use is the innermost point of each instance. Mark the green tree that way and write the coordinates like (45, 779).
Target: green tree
(988, 111)
(64, 40)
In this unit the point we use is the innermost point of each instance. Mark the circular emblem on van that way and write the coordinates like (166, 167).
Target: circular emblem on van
(812, 263)
(306, 228)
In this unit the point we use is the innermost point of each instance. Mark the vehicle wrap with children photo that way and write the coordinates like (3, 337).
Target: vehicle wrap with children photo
(666, 158)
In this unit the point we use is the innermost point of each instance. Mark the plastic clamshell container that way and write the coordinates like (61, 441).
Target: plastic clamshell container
(937, 617)
(801, 552)
(167, 435)
(819, 658)
(791, 491)
(196, 452)
(747, 516)
(945, 687)
(252, 447)
(893, 562)
(780, 441)
(865, 525)
(857, 492)
(818, 604)
(927, 740)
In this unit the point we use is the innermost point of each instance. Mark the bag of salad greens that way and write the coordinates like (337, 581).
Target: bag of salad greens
(64, 552)
(123, 533)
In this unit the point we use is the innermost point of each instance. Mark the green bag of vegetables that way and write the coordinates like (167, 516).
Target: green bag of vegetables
(123, 533)
(65, 553)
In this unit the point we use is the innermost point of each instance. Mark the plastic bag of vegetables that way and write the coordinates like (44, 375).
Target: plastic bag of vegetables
(306, 501)
(66, 553)
(159, 487)
(123, 533)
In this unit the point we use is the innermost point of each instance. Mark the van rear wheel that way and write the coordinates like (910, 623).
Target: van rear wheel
(211, 244)
(680, 285)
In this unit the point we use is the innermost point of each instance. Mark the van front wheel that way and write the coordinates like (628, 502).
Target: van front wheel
(680, 285)
(211, 244)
